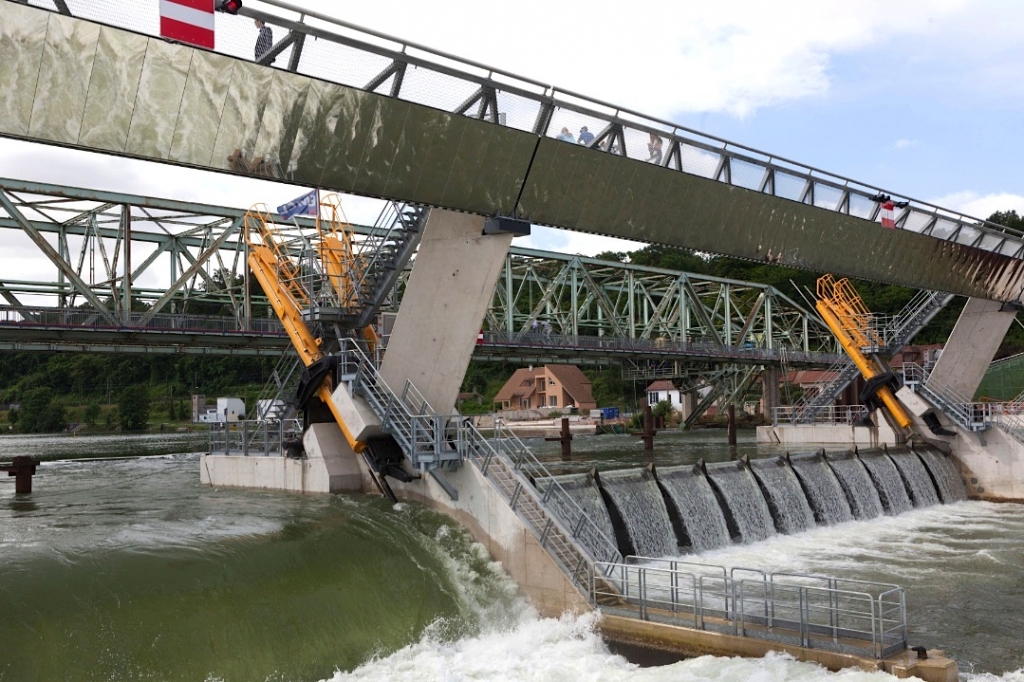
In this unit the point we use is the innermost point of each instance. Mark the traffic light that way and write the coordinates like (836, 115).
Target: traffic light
(229, 6)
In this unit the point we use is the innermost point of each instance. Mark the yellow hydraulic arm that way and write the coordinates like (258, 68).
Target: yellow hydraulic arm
(845, 314)
(278, 276)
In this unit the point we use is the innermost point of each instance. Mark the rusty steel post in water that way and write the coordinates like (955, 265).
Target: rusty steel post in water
(647, 435)
(565, 439)
(732, 424)
(23, 469)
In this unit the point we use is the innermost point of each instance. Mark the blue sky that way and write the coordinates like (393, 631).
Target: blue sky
(923, 98)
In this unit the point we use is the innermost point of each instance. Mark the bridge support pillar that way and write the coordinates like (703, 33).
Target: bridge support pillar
(975, 339)
(769, 391)
(449, 290)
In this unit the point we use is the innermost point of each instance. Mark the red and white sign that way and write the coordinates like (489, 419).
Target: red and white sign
(888, 215)
(187, 21)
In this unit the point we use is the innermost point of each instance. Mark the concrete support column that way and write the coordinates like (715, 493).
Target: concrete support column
(770, 391)
(975, 339)
(446, 298)
(689, 401)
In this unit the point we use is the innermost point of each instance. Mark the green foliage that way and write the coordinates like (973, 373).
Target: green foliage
(40, 412)
(133, 409)
(663, 408)
(91, 413)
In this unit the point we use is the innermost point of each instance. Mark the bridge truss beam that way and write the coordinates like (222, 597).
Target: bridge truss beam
(155, 268)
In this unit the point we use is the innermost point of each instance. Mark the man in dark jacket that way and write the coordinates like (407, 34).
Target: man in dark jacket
(264, 41)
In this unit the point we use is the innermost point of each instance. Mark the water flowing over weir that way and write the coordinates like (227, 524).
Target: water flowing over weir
(698, 508)
(637, 498)
(744, 499)
(665, 511)
(919, 482)
(943, 470)
(785, 497)
(888, 483)
(860, 490)
(824, 493)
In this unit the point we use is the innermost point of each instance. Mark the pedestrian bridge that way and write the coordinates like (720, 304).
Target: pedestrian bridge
(364, 113)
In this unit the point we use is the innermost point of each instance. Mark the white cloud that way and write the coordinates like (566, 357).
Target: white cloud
(662, 57)
(903, 143)
(577, 243)
(976, 205)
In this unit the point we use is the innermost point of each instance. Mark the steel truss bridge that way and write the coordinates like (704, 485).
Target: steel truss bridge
(110, 272)
(366, 113)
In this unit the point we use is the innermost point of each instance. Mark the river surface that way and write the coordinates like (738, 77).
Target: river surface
(128, 569)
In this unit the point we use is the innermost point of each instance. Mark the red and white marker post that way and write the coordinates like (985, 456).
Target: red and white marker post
(187, 21)
(888, 214)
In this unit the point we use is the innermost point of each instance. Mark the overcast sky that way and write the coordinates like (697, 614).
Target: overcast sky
(923, 98)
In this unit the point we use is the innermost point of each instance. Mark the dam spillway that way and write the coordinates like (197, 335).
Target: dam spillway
(692, 509)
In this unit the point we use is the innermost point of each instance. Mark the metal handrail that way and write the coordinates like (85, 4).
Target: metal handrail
(832, 414)
(574, 542)
(548, 98)
(252, 438)
(894, 333)
(815, 611)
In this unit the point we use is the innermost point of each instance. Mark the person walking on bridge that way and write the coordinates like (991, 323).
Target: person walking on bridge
(586, 137)
(264, 41)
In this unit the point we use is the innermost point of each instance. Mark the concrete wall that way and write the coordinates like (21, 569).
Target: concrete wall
(330, 466)
(449, 290)
(831, 434)
(972, 345)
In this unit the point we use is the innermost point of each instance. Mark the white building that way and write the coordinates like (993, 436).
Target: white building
(227, 410)
(664, 390)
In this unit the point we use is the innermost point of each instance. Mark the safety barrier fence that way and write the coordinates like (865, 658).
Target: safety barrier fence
(833, 414)
(966, 413)
(253, 438)
(350, 55)
(848, 616)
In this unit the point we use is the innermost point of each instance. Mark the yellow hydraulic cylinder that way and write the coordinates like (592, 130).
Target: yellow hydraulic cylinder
(263, 264)
(864, 364)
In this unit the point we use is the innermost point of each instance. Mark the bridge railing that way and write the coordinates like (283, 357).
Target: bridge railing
(350, 55)
(849, 616)
(702, 348)
(42, 316)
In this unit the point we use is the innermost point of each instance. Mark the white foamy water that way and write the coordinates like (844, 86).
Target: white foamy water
(569, 649)
(969, 549)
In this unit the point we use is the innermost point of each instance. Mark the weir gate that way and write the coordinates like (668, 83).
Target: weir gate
(392, 137)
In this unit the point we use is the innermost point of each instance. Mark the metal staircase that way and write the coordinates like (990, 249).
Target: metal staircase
(380, 258)
(279, 393)
(893, 333)
(434, 443)
(958, 408)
